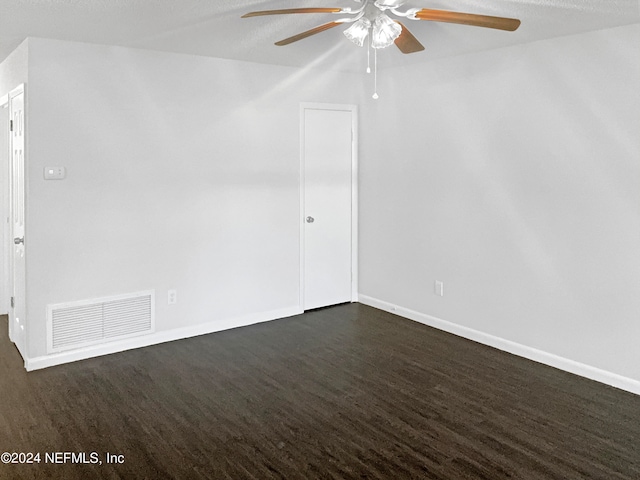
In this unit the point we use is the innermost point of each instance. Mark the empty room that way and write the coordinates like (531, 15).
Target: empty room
(342, 239)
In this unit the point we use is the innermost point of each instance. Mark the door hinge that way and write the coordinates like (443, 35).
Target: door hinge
(11, 125)
(13, 302)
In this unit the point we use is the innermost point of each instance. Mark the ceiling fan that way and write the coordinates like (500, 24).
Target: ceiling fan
(371, 20)
(371, 15)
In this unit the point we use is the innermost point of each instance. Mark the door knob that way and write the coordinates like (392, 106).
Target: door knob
(310, 219)
(18, 240)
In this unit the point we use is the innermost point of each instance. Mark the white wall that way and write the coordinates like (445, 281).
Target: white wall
(513, 177)
(13, 72)
(14, 68)
(182, 173)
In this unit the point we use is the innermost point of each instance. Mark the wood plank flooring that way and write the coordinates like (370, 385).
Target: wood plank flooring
(343, 392)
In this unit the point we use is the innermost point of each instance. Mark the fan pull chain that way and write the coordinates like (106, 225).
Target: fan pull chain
(375, 74)
(369, 55)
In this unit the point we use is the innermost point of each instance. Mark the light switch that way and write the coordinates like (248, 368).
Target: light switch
(54, 173)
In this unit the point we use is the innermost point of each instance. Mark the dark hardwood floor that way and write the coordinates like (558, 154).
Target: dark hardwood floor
(343, 392)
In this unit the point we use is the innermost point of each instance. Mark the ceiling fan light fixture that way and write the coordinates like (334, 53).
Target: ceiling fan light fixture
(358, 32)
(385, 31)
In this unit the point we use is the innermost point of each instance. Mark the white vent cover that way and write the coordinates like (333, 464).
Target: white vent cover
(90, 322)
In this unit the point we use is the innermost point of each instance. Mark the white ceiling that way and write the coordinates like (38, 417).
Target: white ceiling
(214, 27)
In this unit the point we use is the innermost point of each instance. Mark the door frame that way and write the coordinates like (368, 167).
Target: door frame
(17, 336)
(353, 109)
(5, 228)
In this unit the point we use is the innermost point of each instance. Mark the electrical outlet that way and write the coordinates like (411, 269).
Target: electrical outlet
(439, 288)
(172, 297)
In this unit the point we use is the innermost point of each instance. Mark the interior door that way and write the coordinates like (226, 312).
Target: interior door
(4, 205)
(328, 168)
(17, 218)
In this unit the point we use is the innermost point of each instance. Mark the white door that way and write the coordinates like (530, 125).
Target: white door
(328, 157)
(17, 216)
(5, 186)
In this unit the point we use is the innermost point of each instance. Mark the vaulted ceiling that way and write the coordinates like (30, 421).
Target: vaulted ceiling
(214, 27)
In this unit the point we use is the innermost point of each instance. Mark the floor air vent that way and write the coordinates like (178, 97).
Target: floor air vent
(79, 324)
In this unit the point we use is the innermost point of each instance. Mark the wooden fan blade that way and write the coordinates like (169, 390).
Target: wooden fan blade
(406, 42)
(501, 23)
(291, 10)
(308, 33)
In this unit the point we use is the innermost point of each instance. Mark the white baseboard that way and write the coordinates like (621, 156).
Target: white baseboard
(571, 366)
(156, 338)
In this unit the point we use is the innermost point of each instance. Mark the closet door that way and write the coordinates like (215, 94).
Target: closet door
(328, 171)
